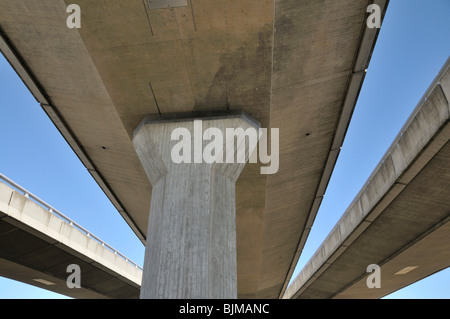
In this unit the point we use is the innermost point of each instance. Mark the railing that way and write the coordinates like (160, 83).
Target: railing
(66, 219)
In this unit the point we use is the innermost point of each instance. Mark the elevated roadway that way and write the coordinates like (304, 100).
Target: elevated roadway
(399, 220)
(293, 65)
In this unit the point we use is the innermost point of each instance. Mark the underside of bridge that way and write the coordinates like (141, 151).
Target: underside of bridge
(293, 65)
(400, 219)
(37, 247)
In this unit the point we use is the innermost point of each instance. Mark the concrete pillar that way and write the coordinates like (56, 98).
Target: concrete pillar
(191, 238)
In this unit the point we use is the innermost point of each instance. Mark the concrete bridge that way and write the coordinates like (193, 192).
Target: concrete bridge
(265, 58)
(38, 243)
(399, 221)
(223, 61)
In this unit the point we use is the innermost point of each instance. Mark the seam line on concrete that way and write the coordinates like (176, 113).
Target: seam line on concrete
(184, 57)
(9, 201)
(148, 17)
(154, 97)
(193, 15)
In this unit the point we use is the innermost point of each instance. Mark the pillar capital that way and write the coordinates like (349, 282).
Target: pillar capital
(222, 141)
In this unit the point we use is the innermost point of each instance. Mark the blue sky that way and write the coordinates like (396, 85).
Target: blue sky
(413, 45)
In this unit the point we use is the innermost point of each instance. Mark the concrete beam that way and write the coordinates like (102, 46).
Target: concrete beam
(30, 234)
(413, 156)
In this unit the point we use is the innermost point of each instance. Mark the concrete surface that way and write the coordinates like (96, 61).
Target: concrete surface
(267, 58)
(400, 217)
(36, 244)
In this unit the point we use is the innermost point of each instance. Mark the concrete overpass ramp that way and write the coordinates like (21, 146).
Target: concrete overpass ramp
(399, 220)
(37, 244)
(293, 65)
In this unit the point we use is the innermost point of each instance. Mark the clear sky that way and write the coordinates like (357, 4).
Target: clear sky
(413, 45)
